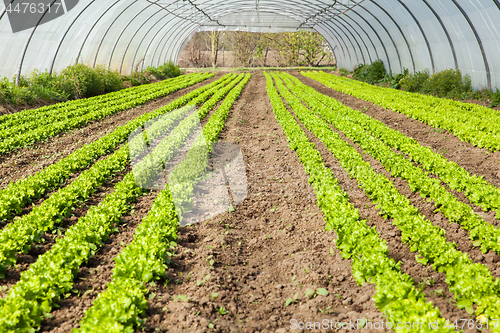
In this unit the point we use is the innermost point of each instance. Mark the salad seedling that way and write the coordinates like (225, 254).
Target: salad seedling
(295, 299)
(326, 310)
(179, 297)
(317, 292)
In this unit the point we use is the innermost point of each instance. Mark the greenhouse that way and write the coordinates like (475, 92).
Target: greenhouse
(249, 166)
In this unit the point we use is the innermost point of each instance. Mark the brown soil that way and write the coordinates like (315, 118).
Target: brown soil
(473, 159)
(274, 244)
(9, 108)
(31, 159)
(92, 278)
(423, 276)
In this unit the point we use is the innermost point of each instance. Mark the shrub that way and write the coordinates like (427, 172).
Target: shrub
(343, 71)
(112, 80)
(13, 94)
(372, 73)
(413, 82)
(167, 70)
(77, 81)
(394, 81)
(85, 81)
(447, 83)
(495, 99)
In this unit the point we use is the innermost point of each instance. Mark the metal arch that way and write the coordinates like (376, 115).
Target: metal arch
(290, 8)
(123, 30)
(174, 36)
(109, 27)
(479, 42)
(183, 45)
(401, 32)
(340, 44)
(172, 13)
(272, 10)
(157, 46)
(156, 34)
(266, 9)
(64, 37)
(135, 34)
(28, 44)
(329, 28)
(5, 9)
(179, 46)
(326, 9)
(331, 36)
(376, 33)
(92, 29)
(332, 30)
(355, 39)
(423, 34)
(388, 34)
(162, 50)
(361, 38)
(495, 1)
(164, 44)
(271, 7)
(332, 33)
(367, 36)
(332, 49)
(455, 59)
(159, 42)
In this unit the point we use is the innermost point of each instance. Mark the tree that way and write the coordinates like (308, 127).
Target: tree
(302, 48)
(244, 45)
(214, 41)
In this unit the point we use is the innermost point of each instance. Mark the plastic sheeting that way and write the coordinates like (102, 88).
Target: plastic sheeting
(128, 34)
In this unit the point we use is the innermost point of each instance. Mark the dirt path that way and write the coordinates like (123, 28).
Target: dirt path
(236, 271)
(272, 247)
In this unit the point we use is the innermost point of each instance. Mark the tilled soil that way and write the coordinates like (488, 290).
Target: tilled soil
(264, 253)
(31, 159)
(473, 159)
(249, 270)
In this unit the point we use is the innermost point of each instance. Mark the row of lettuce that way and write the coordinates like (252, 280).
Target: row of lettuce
(25, 128)
(469, 282)
(356, 240)
(448, 83)
(21, 193)
(348, 121)
(122, 305)
(471, 123)
(21, 233)
(75, 82)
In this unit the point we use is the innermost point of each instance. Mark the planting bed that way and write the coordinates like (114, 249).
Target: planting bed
(340, 222)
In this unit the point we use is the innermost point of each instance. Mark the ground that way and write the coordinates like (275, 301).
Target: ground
(273, 245)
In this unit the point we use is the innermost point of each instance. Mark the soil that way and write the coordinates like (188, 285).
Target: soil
(273, 246)
(473, 159)
(248, 270)
(31, 159)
